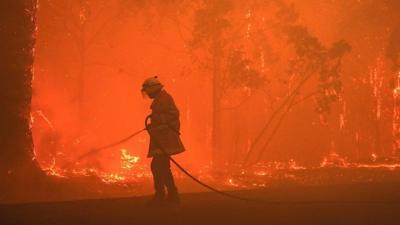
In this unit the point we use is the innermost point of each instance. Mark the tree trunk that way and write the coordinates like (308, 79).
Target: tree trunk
(81, 91)
(216, 107)
(17, 38)
(81, 76)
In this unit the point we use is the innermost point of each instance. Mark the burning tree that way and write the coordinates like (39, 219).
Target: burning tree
(311, 60)
(17, 156)
(222, 36)
(209, 28)
(393, 53)
(215, 32)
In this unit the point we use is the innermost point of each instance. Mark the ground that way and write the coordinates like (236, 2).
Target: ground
(352, 204)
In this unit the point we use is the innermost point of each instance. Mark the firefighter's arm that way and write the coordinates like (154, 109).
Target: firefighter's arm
(165, 116)
(166, 120)
(160, 125)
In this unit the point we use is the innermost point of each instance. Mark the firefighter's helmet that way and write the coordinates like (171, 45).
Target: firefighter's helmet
(151, 86)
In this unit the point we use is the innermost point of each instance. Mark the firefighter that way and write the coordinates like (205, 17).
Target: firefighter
(163, 126)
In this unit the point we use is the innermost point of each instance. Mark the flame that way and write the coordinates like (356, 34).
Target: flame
(44, 117)
(128, 161)
(130, 170)
(232, 183)
(334, 160)
(373, 157)
(396, 116)
(113, 178)
(376, 82)
(268, 173)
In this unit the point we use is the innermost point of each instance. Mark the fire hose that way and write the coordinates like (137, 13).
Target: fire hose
(223, 193)
(181, 168)
(187, 172)
(99, 149)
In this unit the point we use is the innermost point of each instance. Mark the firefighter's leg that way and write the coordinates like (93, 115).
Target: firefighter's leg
(156, 169)
(169, 180)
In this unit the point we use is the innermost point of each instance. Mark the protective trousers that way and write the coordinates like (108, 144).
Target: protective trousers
(162, 176)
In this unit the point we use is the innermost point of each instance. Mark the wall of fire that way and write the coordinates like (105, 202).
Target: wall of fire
(91, 57)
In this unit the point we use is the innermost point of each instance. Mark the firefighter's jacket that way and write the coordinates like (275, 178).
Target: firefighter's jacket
(164, 128)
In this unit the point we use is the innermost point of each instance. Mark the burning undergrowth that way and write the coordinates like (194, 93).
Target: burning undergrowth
(131, 170)
(332, 170)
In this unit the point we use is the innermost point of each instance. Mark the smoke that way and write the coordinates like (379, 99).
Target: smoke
(265, 49)
(393, 48)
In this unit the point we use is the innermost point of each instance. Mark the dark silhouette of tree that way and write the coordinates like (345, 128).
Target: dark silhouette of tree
(210, 26)
(17, 38)
(393, 53)
(393, 48)
(215, 34)
(311, 59)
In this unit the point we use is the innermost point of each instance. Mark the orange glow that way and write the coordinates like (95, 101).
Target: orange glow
(325, 87)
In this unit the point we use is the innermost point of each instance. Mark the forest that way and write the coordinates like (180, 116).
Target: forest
(269, 92)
